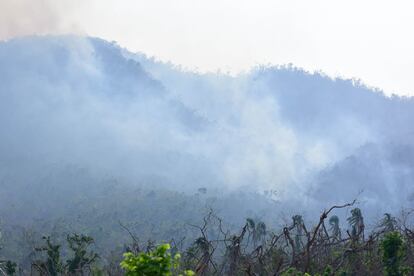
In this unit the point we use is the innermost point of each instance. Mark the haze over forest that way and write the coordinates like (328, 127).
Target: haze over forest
(90, 130)
(206, 138)
(77, 102)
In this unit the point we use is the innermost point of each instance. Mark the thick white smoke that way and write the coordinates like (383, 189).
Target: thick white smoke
(86, 102)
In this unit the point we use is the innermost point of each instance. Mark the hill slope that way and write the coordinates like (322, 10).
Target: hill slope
(84, 102)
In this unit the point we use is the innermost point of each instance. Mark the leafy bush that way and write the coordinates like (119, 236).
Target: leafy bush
(156, 263)
(294, 272)
(392, 247)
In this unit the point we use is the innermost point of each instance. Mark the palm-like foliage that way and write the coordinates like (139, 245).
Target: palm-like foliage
(334, 227)
(356, 221)
(258, 230)
(298, 225)
(388, 223)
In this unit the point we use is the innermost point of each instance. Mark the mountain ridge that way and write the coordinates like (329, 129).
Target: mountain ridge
(84, 101)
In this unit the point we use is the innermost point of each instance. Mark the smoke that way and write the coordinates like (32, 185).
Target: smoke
(26, 17)
(85, 102)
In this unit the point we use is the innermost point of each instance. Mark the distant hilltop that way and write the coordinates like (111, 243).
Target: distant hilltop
(68, 100)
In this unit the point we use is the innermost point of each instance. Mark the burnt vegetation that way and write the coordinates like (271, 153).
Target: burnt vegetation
(326, 247)
(113, 163)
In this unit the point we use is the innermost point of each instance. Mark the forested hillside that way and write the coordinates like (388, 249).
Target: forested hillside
(234, 172)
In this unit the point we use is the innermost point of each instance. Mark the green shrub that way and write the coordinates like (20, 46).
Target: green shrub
(392, 247)
(156, 263)
(294, 272)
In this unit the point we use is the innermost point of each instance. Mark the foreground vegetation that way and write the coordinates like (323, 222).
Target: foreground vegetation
(325, 248)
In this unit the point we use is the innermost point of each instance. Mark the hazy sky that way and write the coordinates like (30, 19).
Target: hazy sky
(370, 40)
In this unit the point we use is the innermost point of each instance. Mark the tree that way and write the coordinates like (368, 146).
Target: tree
(81, 259)
(388, 223)
(203, 247)
(335, 229)
(356, 221)
(8, 268)
(298, 225)
(53, 265)
(258, 230)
